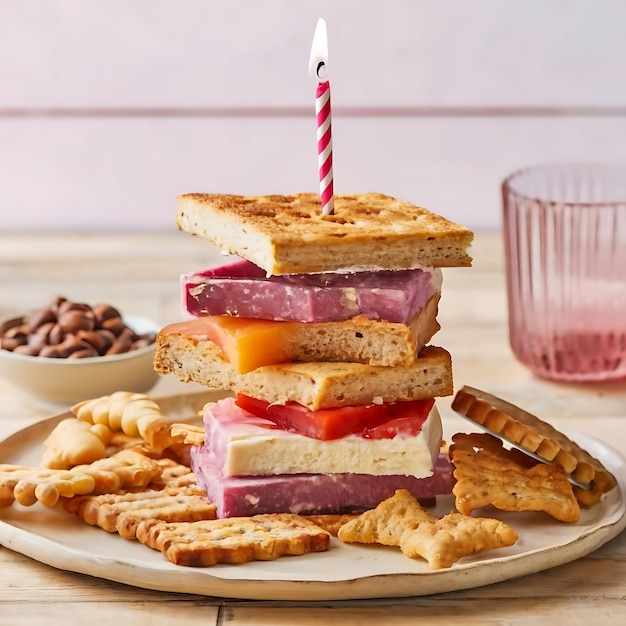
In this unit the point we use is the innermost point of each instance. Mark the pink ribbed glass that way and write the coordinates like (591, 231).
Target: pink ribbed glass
(565, 244)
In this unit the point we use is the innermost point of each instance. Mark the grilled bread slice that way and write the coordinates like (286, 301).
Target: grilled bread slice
(289, 234)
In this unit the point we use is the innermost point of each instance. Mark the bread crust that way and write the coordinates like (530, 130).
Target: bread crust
(289, 234)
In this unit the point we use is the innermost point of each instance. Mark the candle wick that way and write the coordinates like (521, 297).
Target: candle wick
(320, 67)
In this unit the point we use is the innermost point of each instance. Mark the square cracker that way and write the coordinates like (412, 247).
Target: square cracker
(234, 540)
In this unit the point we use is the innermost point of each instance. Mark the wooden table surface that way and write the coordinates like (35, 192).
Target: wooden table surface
(139, 273)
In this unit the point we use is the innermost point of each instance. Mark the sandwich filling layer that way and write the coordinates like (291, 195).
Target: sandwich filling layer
(243, 444)
(244, 290)
(309, 493)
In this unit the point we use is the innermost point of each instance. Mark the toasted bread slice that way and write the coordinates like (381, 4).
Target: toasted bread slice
(315, 385)
(289, 234)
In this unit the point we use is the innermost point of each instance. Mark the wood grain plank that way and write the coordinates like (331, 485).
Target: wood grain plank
(511, 611)
(47, 584)
(111, 613)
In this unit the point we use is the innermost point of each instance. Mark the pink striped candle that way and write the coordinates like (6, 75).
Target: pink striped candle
(318, 64)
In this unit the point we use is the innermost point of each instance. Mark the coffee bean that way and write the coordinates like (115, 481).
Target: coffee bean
(71, 329)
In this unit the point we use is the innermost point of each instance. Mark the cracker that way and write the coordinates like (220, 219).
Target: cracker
(188, 433)
(445, 541)
(28, 485)
(134, 414)
(532, 434)
(173, 496)
(74, 443)
(233, 540)
(124, 469)
(387, 522)
(486, 473)
(401, 521)
(123, 512)
(173, 474)
(330, 522)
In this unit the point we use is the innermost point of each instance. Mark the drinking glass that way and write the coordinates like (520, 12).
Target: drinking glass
(565, 245)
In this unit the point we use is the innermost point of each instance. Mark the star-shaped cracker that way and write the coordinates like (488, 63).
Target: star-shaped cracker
(387, 522)
(488, 474)
(454, 536)
(401, 521)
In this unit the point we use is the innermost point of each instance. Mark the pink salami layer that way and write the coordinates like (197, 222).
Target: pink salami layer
(242, 289)
(309, 493)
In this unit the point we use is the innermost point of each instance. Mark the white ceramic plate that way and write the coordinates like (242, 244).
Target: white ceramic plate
(344, 572)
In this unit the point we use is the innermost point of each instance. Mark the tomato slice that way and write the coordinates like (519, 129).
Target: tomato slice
(373, 421)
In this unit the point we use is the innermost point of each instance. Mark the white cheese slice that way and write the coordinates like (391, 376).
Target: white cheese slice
(246, 445)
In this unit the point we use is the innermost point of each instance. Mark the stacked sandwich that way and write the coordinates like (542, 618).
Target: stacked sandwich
(320, 328)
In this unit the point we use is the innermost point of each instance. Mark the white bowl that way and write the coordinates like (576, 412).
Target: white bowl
(67, 381)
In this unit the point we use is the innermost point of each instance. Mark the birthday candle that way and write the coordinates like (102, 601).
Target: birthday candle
(318, 68)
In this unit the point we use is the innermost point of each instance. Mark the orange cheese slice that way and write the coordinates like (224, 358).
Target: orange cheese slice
(248, 343)
(245, 342)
